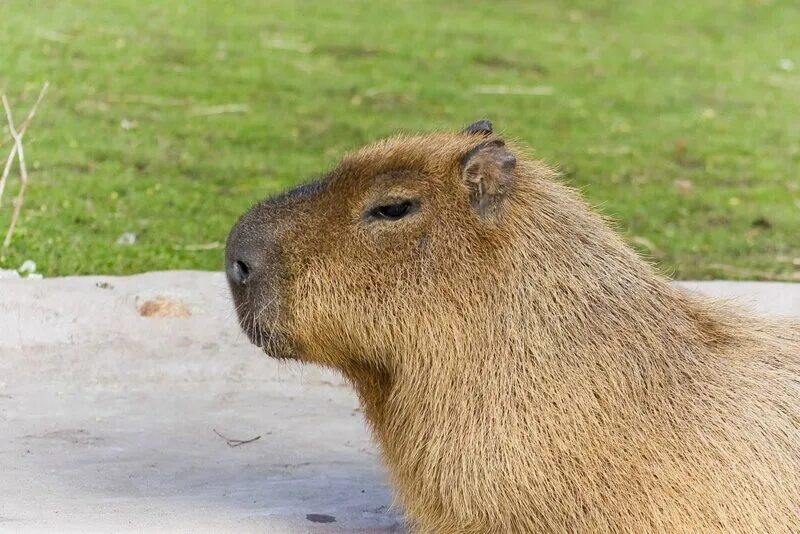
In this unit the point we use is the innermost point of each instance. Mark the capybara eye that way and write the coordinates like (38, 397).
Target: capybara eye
(393, 212)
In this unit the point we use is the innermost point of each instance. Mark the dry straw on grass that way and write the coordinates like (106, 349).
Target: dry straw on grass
(18, 152)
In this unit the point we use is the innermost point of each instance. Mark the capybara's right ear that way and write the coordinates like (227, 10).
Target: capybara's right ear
(488, 171)
(482, 127)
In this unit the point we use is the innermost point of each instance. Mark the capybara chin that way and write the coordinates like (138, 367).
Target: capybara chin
(522, 369)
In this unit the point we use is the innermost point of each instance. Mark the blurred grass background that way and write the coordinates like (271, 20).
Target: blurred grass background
(167, 119)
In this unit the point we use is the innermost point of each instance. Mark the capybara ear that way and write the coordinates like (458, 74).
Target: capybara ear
(482, 127)
(488, 170)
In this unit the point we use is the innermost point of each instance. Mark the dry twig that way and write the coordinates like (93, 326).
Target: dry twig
(236, 442)
(200, 246)
(22, 129)
(17, 151)
(207, 111)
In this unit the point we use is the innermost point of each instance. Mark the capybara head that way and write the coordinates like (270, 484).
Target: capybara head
(355, 268)
(522, 368)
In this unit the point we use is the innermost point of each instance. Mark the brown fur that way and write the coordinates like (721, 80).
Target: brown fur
(525, 371)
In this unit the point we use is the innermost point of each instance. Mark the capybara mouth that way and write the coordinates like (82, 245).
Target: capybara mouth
(279, 352)
(271, 343)
(279, 355)
(267, 339)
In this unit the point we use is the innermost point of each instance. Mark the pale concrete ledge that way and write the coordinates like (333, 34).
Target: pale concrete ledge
(108, 417)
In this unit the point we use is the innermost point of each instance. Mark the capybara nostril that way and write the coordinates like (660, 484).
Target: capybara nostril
(239, 272)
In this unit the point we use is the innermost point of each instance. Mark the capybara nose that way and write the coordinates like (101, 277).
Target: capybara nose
(239, 272)
(241, 259)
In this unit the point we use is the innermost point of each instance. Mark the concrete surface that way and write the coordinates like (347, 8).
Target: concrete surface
(108, 418)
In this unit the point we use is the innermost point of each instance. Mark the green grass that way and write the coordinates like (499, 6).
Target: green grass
(677, 119)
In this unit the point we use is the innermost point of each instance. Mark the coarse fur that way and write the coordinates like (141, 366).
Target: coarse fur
(523, 370)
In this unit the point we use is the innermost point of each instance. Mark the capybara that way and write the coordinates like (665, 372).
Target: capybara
(521, 367)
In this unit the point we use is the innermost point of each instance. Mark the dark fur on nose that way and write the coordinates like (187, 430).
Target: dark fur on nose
(252, 253)
(239, 267)
(242, 256)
